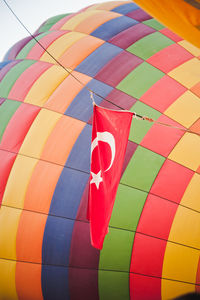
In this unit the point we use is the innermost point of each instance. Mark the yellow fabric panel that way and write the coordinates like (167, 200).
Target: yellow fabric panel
(94, 21)
(7, 279)
(18, 181)
(72, 23)
(187, 150)
(186, 227)
(190, 48)
(179, 16)
(172, 289)
(92, 7)
(185, 110)
(111, 5)
(39, 132)
(180, 263)
(188, 74)
(191, 195)
(9, 220)
(45, 85)
(60, 45)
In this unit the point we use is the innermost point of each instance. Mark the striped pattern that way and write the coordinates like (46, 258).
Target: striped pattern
(152, 249)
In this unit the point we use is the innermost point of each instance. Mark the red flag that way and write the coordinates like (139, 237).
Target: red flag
(109, 140)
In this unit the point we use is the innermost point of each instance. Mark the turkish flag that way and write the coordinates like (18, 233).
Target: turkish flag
(110, 133)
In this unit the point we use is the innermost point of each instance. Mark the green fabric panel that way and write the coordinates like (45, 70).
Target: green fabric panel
(113, 285)
(116, 252)
(128, 206)
(12, 75)
(150, 45)
(25, 51)
(154, 24)
(140, 80)
(139, 128)
(50, 22)
(142, 169)
(7, 109)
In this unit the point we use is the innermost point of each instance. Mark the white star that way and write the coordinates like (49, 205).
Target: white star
(96, 178)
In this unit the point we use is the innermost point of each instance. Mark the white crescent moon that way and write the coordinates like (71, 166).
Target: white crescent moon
(108, 138)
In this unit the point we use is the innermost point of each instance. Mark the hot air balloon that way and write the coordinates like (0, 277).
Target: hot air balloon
(132, 62)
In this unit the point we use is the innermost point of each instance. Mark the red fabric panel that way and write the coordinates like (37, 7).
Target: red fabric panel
(173, 36)
(171, 182)
(129, 36)
(19, 125)
(162, 139)
(118, 68)
(163, 93)
(157, 217)
(26, 80)
(169, 58)
(6, 162)
(144, 287)
(37, 51)
(147, 255)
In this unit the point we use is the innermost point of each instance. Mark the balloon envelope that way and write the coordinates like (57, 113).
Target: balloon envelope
(152, 249)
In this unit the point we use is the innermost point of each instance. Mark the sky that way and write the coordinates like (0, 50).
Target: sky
(32, 13)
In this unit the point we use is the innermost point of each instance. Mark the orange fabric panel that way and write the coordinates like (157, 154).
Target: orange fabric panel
(196, 127)
(60, 142)
(41, 187)
(196, 89)
(62, 97)
(28, 281)
(181, 17)
(30, 236)
(79, 51)
(94, 21)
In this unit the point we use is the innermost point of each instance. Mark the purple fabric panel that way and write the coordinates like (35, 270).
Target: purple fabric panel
(121, 99)
(7, 68)
(139, 15)
(83, 269)
(83, 284)
(118, 68)
(127, 37)
(2, 100)
(37, 31)
(18, 47)
(131, 147)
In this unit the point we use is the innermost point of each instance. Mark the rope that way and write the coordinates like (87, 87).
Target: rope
(92, 93)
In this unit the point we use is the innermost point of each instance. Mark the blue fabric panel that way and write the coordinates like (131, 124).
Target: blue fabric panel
(4, 63)
(57, 240)
(68, 193)
(79, 157)
(113, 27)
(55, 283)
(97, 59)
(81, 107)
(126, 8)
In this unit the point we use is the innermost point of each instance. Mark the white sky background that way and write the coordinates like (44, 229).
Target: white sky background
(32, 13)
